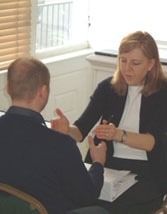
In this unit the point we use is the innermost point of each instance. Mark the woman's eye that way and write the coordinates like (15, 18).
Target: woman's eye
(136, 63)
(123, 61)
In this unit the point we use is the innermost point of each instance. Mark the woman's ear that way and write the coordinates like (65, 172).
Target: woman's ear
(152, 63)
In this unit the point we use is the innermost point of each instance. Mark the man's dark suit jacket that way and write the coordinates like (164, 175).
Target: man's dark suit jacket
(45, 163)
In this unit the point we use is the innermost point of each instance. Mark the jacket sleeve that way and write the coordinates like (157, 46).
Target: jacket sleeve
(94, 109)
(80, 186)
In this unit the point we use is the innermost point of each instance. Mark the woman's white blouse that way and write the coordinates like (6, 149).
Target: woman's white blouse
(130, 122)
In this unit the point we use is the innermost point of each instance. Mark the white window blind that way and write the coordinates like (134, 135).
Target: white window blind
(15, 21)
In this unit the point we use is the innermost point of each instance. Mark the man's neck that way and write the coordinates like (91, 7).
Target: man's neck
(25, 105)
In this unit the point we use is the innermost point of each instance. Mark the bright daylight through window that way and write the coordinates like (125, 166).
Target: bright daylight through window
(61, 24)
(67, 23)
(112, 20)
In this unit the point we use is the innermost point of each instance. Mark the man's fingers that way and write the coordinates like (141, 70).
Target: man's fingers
(103, 144)
(91, 141)
(92, 144)
(59, 112)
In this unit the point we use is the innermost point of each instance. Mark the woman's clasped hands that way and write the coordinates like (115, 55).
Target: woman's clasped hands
(106, 131)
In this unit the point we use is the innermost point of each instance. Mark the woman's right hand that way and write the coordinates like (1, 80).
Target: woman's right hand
(61, 123)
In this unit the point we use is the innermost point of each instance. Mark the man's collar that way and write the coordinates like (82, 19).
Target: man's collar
(26, 112)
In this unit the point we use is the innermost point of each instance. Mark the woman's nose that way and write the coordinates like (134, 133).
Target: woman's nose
(128, 68)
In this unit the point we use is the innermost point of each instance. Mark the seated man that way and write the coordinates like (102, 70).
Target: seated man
(40, 161)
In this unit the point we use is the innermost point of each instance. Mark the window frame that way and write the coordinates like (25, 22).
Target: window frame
(57, 50)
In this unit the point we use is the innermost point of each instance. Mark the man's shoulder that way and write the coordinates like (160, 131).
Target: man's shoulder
(59, 137)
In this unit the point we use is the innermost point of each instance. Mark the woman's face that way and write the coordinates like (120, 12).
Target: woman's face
(134, 66)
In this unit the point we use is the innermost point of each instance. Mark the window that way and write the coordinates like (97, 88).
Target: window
(47, 28)
(112, 20)
(61, 25)
(14, 30)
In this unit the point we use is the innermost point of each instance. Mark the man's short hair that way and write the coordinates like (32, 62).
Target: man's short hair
(25, 76)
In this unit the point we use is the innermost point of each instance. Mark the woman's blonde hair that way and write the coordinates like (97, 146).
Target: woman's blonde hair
(155, 77)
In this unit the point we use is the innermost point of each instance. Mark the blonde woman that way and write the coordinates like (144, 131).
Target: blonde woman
(131, 106)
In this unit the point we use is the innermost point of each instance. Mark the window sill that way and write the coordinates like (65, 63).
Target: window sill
(68, 56)
(112, 53)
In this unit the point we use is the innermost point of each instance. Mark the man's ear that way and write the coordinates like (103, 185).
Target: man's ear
(43, 91)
